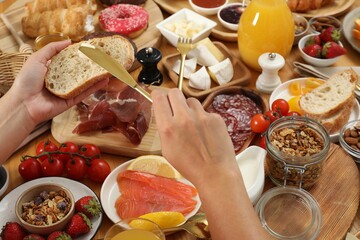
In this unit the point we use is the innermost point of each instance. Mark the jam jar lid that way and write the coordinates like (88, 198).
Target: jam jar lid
(289, 213)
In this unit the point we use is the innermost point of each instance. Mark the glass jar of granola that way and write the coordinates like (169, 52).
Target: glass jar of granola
(297, 147)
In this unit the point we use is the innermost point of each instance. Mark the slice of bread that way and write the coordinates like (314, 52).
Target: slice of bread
(70, 72)
(330, 97)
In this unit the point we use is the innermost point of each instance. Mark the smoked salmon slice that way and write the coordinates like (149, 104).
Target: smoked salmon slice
(143, 193)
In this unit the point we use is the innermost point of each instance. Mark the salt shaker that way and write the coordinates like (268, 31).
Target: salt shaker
(149, 58)
(268, 80)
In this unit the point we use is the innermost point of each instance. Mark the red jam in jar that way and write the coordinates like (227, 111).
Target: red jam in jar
(208, 4)
(232, 14)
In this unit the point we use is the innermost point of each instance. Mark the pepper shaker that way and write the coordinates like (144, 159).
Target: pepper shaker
(149, 58)
(268, 80)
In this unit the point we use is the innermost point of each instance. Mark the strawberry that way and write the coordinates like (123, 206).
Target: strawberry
(59, 235)
(313, 50)
(89, 206)
(332, 49)
(313, 40)
(79, 224)
(12, 231)
(34, 236)
(330, 34)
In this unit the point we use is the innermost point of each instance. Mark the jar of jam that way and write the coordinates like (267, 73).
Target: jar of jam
(297, 148)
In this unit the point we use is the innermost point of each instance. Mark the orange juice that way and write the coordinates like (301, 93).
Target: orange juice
(135, 234)
(265, 26)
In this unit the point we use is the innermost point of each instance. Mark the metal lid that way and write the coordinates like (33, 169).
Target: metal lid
(289, 213)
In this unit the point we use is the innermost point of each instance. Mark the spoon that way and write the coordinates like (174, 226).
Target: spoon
(197, 225)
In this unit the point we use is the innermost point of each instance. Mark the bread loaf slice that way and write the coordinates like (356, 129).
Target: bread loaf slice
(70, 72)
(330, 97)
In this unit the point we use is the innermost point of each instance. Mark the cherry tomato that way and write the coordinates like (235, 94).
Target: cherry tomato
(67, 147)
(30, 168)
(272, 115)
(259, 123)
(98, 170)
(76, 168)
(293, 113)
(45, 146)
(52, 166)
(262, 142)
(281, 106)
(90, 150)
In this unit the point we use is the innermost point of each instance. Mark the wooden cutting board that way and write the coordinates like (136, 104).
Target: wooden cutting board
(337, 193)
(150, 38)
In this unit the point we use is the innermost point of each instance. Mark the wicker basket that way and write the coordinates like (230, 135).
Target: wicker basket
(10, 65)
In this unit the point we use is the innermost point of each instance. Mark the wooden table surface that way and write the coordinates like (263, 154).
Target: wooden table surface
(351, 59)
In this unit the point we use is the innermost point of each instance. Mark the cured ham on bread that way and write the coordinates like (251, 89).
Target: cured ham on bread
(306, 5)
(118, 108)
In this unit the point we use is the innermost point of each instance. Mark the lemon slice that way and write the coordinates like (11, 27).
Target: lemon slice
(154, 164)
(162, 219)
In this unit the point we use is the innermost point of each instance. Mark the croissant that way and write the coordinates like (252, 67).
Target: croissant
(73, 22)
(306, 5)
(39, 6)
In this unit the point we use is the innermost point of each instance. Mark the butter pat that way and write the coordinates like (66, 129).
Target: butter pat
(189, 67)
(222, 72)
(200, 79)
(207, 53)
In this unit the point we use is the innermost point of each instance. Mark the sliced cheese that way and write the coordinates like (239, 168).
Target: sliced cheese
(212, 48)
(222, 72)
(200, 79)
(206, 53)
(189, 67)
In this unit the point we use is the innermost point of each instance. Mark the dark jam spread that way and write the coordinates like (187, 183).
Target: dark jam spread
(232, 14)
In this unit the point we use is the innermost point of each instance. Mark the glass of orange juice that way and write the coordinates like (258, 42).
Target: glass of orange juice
(134, 229)
(265, 26)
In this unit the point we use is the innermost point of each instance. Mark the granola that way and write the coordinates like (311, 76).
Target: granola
(47, 208)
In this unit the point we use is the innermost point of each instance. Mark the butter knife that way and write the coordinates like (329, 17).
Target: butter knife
(112, 66)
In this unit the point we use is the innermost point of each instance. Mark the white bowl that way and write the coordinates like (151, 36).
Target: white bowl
(226, 24)
(204, 10)
(251, 164)
(4, 180)
(319, 62)
(192, 18)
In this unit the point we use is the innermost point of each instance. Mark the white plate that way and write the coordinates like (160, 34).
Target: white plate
(7, 204)
(110, 192)
(348, 25)
(282, 91)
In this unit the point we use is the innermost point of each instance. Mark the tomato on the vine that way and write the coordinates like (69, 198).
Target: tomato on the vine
(76, 168)
(281, 106)
(262, 142)
(30, 168)
(259, 123)
(293, 113)
(66, 148)
(89, 150)
(52, 166)
(45, 146)
(272, 115)
(98, 170)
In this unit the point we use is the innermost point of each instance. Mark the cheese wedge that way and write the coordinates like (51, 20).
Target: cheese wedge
(206, 53)
(189, 67)
(200, 79)
(222, 72)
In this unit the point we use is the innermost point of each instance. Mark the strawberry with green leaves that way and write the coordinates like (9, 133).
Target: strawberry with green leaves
(89, 206)
(332, 49)
(313, 50)
(330, 34)
(59, 235)
(12, 231)
(315, 39)
(33, 236)
(79, 224)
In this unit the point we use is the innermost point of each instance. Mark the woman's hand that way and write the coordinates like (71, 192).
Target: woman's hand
(29, 88)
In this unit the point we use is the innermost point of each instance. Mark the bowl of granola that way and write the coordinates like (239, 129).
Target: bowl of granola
(45, 208)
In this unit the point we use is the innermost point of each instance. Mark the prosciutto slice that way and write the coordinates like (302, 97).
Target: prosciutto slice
(116, 108)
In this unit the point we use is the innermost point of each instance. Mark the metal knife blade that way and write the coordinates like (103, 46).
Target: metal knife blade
(112, 66)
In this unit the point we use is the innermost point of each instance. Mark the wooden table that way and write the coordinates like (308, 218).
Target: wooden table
(351, 59)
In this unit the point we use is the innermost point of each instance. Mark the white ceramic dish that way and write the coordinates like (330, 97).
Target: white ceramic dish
(188, 15)
(228, 25)
(110, 192)
(251, 164)
(4, 180)
(282, 91)
(348, 25)
(7, 204)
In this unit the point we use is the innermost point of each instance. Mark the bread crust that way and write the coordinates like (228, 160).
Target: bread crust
(313, 111)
